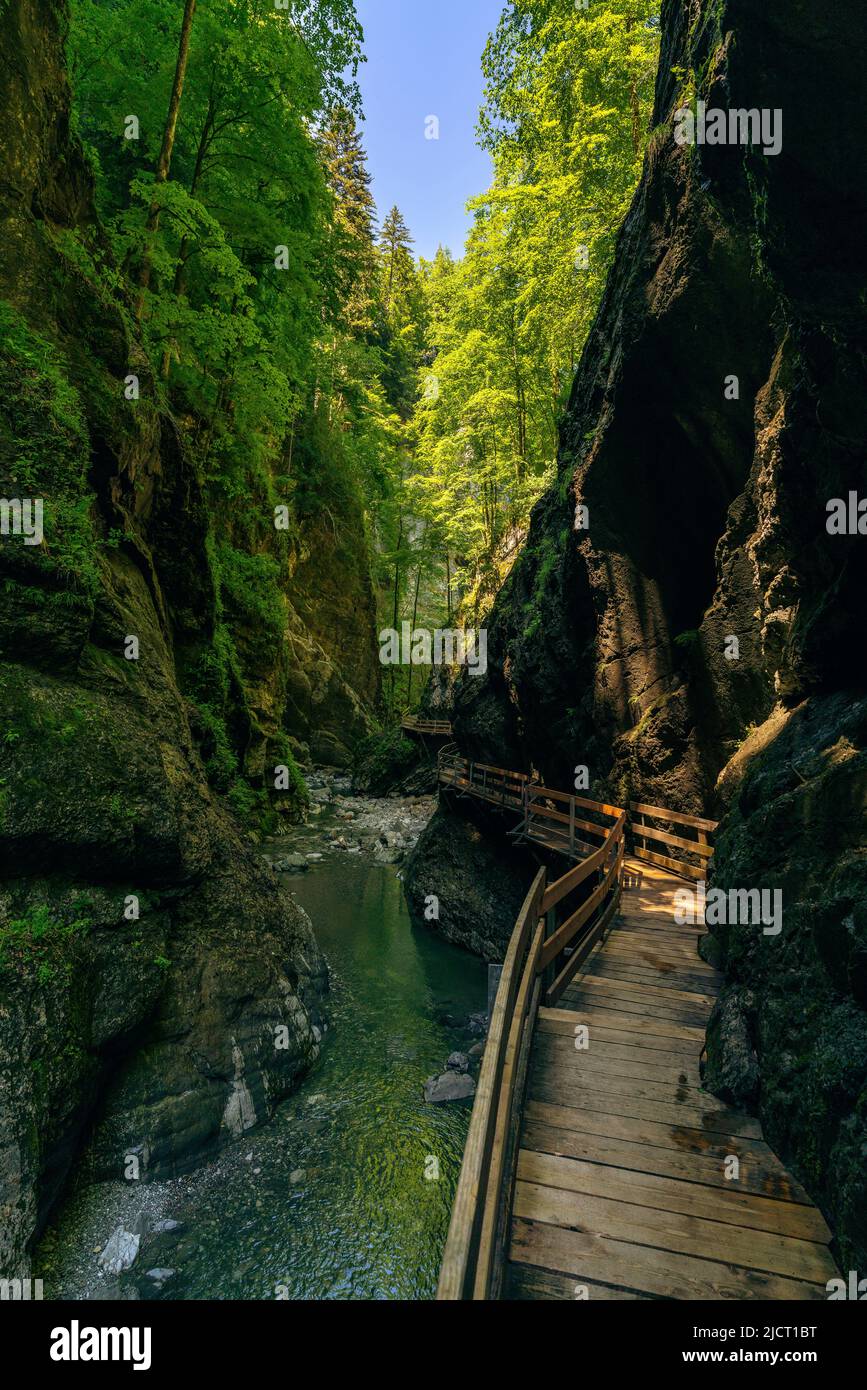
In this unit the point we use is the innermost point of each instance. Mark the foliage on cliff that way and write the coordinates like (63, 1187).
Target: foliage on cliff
(236, 247)
(566, 120)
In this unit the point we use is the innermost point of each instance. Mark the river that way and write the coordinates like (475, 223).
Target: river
(346, 1193)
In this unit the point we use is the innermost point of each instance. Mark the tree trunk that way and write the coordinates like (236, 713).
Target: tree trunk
(415, 612)
(165, 159)
(180, 284)
(396, 600)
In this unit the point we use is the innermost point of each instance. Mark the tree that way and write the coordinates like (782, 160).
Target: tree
(402, 328)
(567, 103)
(165, 159)
(351, 254)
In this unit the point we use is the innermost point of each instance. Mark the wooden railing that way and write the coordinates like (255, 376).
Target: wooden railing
(556, 818)
(471, 1262)
(414, 725)
(544, 953)
(688, 854)
(590, 894)
(495, 784)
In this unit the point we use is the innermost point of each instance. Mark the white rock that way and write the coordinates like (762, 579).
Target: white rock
(121, 1251)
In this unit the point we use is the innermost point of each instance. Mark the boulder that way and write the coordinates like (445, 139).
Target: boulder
(452, 1085)
(121, 1251)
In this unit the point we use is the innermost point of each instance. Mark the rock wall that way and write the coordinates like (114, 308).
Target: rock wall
(610, 644)
(480, 880)
(334, 683)
(158, 990)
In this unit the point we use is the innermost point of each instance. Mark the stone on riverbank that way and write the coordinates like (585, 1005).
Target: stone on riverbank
(452, 1085)
(120, 1252)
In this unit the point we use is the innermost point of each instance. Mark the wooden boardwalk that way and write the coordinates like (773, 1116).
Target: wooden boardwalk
(595, 1165)
(621, 1187)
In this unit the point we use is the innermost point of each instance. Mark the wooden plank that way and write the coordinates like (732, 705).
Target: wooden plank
(689, 1196)
(696, 821)
(560, 817)
(551, 794)
(650, 1027)
(550, 1129)
(605, 967)
(515, 1126)
(633, 947)
(625, 946)
(632, 1155)
(661, 921)
(669, 1229)
(629, 1004)
(696, 1127)
(612, 1059)
(527, 1284)
(643, 991)
(666, 1273)
(573, 924)
(660, 957)
(636, 1043)
(670, 1087)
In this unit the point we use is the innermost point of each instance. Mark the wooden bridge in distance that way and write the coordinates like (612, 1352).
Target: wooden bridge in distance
(595, 1165)
(438, 728)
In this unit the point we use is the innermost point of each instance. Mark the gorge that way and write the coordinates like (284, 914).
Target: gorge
(620, 485)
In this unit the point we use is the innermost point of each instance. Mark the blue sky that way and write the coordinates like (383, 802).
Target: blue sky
(424, 59)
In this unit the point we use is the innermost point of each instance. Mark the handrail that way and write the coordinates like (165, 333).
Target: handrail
(459, 1271)
(699, 848)
(414, 725)
(490, 783)
(472, 1262)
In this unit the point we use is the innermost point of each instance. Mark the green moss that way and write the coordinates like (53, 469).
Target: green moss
(248, 587)
(383, 760)
(654, 708)
(45, 454)
(280, 755)
(39, 939)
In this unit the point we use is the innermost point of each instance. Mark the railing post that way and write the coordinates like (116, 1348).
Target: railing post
(572, 824)
(548, 974)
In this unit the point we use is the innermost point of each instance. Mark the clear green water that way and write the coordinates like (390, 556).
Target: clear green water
(364, 1221)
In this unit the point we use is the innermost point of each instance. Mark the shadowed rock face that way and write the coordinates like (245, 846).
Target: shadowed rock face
(707, 515)
(160, 1036)
(707, 520)
(479, 879)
